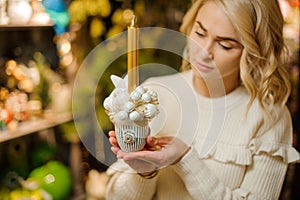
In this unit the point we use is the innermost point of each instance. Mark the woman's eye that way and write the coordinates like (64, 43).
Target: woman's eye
(199, 33)
(226, 47)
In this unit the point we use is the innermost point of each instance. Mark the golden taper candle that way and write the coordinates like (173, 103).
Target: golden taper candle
(132, 55)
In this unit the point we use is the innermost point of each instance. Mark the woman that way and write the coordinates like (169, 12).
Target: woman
(236, 54)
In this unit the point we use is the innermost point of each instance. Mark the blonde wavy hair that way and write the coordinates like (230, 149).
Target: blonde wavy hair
(262, 65)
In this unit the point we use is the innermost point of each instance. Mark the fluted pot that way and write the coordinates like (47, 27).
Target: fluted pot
(131, 136)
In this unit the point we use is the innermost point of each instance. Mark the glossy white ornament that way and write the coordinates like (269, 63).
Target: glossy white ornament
(153, 94)
(150, 110)
(135, 116)
(129, 106)
(140, 89)
(135, 95)
(146, 97)
(122, 115)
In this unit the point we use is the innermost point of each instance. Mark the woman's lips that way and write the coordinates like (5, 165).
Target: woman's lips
(203, 68)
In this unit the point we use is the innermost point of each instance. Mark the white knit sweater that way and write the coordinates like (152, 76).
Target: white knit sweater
(233, 155)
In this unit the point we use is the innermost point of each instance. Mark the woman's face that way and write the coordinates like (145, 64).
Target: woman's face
(214, 45)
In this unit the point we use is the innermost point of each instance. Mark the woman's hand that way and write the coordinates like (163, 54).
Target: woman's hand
(158, 152)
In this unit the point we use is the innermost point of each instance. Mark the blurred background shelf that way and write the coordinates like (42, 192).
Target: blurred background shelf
(36, 125)
(25, 26)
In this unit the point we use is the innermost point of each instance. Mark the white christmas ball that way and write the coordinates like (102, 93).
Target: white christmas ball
(146, 97)
(135, 116)
(122, 115)
(135, 95)
(129, 106)
(140, 89)
(153, 94)
(150, 110)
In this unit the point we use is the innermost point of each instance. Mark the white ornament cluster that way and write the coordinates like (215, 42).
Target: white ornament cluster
(140, 105)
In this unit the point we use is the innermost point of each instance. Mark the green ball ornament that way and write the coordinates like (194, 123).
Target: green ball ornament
(55, 178)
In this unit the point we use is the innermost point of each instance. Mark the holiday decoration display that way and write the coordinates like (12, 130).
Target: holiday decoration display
(131, 113)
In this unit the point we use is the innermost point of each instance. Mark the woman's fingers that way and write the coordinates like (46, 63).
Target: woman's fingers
(149, 156)
(112, 134)
(115, 150)
(112, 138)
(159, 151)
(170, 150)
(113, 141)
(160, 141)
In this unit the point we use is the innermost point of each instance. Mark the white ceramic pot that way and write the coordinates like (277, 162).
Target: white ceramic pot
(131, 136)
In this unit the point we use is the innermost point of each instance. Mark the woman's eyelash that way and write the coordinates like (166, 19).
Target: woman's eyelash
(224, 47)
(198, 33)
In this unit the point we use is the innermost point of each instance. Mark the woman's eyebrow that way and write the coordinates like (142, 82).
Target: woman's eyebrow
(218, 37)
(228, 39)
(201, 26)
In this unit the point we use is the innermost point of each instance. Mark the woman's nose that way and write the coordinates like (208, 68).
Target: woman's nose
(210, 55)
(208, 48)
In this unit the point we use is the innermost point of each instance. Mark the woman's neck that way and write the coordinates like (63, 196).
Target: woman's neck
(214, 88)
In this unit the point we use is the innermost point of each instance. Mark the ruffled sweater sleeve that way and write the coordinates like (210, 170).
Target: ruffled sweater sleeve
(269, 151)
(262, 179)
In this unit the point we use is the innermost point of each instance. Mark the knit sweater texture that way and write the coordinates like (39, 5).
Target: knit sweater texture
(234, 154)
